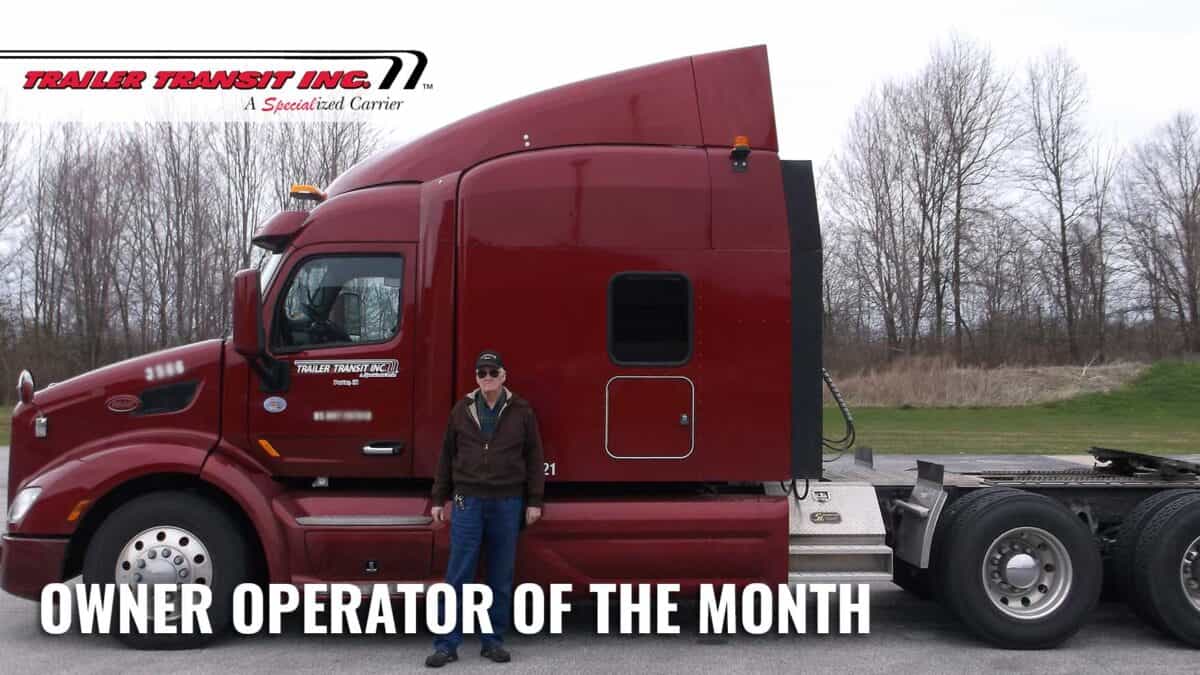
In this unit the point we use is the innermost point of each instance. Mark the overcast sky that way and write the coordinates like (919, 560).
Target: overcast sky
(1140, 58)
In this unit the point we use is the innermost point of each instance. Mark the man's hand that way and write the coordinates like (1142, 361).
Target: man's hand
(439, 515)
(532, 514)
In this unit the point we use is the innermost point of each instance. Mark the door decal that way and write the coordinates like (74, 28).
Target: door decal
(363, 368)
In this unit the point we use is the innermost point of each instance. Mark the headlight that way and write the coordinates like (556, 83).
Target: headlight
(22, 504)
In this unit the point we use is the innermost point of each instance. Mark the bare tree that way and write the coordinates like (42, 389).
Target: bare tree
(1163, 215)
(871, 200)
(924, 144)
(975, 102)
(1095, 266)
(1057, 148)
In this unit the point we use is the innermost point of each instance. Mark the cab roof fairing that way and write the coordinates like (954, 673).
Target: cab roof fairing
(703, 100)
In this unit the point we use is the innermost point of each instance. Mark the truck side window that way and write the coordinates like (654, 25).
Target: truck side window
(650, 319)
(340, 300)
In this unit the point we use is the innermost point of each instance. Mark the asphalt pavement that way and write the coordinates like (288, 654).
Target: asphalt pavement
(907, 635)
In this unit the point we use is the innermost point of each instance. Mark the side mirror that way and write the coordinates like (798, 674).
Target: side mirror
(248, 332)
(247, 315)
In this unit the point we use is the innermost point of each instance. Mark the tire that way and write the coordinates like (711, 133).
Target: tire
(937, 561)
(1020, 570)
(1162, 571)
(1121, 564)
(211, 539)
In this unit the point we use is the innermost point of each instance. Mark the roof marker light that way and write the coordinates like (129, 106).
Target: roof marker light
(739, 156)
(308, 193)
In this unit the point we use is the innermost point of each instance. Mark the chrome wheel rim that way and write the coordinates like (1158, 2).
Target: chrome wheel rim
(164, 555)
(1027, 573)
(1189, 573)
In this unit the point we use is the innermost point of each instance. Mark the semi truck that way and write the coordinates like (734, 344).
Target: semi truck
(651, 270)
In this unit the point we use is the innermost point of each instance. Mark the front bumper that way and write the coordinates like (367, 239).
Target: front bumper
(27, 565)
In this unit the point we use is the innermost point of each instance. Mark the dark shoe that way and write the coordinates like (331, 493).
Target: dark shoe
(439, 659)
(496, 653)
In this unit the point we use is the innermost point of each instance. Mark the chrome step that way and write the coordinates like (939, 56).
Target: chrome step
(842, 578)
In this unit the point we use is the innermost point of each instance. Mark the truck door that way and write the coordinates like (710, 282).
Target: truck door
(342, 321)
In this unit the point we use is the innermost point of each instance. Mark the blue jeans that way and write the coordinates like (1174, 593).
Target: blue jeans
(490, 525)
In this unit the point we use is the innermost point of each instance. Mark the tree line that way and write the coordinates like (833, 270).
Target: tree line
(971, 213)
(123, 239)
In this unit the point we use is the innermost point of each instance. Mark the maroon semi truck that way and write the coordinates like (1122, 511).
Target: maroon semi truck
(651, 271)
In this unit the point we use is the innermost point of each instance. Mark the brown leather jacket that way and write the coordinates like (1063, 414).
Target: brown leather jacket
(510, 464)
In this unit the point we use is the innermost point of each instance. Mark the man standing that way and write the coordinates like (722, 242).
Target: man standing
(491, 463)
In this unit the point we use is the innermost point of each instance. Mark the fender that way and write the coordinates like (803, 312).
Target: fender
(250, 486)
(87, 481)
(84, 482)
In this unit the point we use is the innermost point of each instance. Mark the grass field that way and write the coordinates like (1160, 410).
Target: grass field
(1157, 412)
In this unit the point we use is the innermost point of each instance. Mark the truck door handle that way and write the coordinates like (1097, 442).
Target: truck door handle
(383, 448)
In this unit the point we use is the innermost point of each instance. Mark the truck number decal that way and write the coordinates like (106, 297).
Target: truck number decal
(550, 468)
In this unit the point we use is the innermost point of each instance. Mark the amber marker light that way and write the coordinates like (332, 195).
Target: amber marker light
(739, 156)
(267, 447)
(78, 510)
(308, 193)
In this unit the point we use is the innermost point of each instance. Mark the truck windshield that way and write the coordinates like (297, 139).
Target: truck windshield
(268, 272)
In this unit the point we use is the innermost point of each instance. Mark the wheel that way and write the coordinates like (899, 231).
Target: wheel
(171, 537)
(1166, 577)
(1121, 561)
(1020, 570)
(937, 559)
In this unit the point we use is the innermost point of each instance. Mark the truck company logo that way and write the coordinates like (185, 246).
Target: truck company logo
(123, 403)
(275, 404)
(265, 81)
(362, 368)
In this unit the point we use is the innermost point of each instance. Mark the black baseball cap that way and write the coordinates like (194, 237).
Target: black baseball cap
(489, 357)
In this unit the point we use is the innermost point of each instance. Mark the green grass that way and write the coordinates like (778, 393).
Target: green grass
(1158, 413)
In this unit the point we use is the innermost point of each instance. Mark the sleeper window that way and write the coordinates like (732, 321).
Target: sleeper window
(650, 319)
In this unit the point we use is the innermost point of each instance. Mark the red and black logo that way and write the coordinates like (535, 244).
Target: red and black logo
(351, 69)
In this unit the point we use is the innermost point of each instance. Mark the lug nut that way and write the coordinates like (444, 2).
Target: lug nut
(178, 560)
(152, 555)
(141, 564)
(166, 553)
(1193, 584)
(183, 574)
(137, 578)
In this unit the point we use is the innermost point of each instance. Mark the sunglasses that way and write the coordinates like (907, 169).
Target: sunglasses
(487, 372)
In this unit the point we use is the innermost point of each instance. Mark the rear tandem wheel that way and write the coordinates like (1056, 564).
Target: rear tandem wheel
(1019, 569)
(1166, 569)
